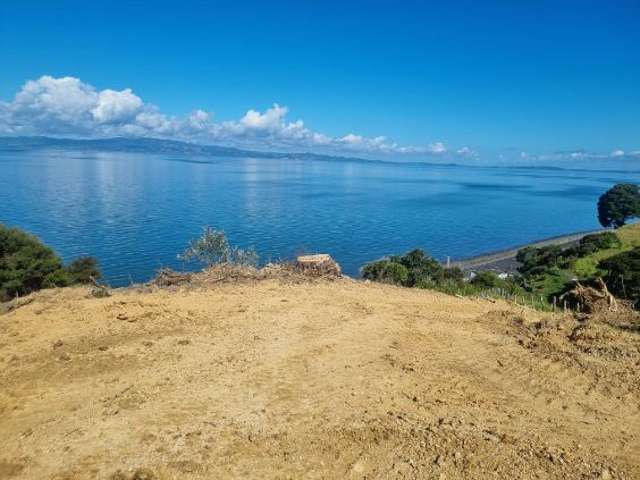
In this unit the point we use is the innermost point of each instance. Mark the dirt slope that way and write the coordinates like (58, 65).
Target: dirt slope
(324, 379)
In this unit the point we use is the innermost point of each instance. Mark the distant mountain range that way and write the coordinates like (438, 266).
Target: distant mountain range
(153, 145)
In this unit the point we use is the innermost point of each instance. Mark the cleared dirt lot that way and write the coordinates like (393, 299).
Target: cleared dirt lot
(318, 379)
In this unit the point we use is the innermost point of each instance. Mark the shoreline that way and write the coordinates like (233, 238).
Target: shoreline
(504, 260)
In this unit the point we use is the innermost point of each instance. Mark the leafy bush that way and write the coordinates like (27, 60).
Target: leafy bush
(212, 248)
(27, 265)
(539, 260)
(413, 269)
(623, 275)
(386, 271)
(84, 270)
(487, 279)
(619, 204)
(595, 242)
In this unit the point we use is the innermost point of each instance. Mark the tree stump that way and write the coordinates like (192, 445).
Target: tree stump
(319, 264)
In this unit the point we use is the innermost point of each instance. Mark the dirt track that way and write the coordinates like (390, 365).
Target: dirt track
(312, 380)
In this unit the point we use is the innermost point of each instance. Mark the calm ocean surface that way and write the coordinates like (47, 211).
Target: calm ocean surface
(135, 212)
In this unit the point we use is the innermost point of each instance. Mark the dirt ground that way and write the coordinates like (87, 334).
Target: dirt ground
(319, 379)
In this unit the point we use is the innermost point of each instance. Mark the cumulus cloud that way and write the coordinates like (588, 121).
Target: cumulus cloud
(116, 107)
(67, 106)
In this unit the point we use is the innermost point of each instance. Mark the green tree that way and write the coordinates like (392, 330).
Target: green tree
(619, 204)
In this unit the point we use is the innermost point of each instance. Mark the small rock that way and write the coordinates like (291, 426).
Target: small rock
(122, 316)
(65, 357)
(103, 348)
(184, 342)
(58, 344)
(605, 474)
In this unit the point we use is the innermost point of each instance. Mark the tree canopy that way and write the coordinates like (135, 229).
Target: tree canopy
(619, 204)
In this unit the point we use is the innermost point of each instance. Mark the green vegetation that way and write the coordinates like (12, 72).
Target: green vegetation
(417, 269)
(212, 248)
(628, 237)
(27, 265)
(414, 269)
(550, 271)
(622, 275)
(545, 273)
(619, 204)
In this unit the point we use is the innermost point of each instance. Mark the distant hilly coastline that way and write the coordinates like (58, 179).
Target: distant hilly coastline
(176, 147)
(156, 145)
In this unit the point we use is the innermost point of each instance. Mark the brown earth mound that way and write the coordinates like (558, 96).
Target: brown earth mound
(273, 378)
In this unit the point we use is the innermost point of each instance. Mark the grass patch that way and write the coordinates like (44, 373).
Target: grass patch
(587, 267)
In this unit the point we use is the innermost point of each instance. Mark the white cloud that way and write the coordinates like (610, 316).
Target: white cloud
(617, 153)
(69, 107)
(437, 147)
(116, 107)
(270, 120)
(351, 139)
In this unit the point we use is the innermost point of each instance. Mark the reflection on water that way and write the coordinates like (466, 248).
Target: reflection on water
(135, 212)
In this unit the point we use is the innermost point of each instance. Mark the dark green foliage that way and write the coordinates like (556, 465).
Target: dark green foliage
(486, 280)
(420, 267)
(598, 241)
(83, 270)
(537, 261)
(386, 271)
(623, 275)
(415, 268)
(618, 205)
(27, 265)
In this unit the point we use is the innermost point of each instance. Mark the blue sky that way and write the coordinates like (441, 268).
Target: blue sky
(527, 77)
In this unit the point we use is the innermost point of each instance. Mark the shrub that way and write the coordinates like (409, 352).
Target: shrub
(413, 269)
(84, 270)
(623, 275)
(486, 280)
(386, 271)
(538, 260)
(212, 248)
(618, 205)
(590, 244)
(27, 265)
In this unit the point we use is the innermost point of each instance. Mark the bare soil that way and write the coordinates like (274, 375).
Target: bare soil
(275, 378)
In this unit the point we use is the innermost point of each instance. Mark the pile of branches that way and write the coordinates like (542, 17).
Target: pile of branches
(591, 299)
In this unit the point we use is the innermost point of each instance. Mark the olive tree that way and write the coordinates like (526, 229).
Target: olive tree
(212, 247)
